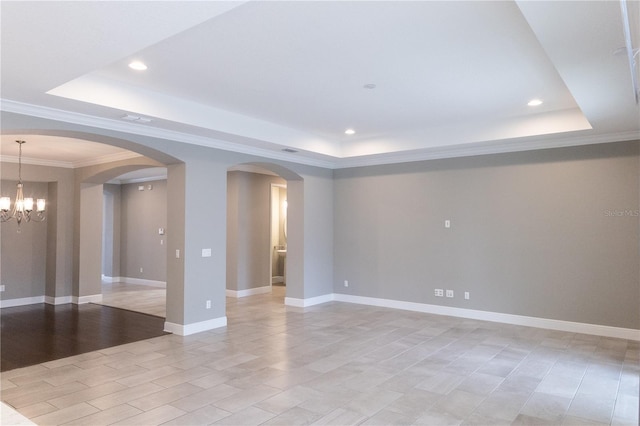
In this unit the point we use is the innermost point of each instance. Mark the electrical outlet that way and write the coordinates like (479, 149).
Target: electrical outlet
(208, 305)
(2, 288)
(449, 293)
(141, 270)
(466, 295)
(439, 292)
(447, 223)
(346, 283)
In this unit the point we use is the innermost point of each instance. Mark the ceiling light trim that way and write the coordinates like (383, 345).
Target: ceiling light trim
(104, 92)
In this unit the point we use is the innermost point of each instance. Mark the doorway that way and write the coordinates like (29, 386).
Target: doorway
(264, 235)
(134, 246)
(278, 246)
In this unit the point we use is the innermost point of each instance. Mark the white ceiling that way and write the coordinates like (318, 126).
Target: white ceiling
(452, 78)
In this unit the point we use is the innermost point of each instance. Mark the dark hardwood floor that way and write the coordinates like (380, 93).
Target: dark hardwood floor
(38, 333)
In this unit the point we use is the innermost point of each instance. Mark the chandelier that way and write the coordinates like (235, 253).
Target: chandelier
(23, 207)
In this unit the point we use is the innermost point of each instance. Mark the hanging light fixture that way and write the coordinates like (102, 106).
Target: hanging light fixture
(23, 207)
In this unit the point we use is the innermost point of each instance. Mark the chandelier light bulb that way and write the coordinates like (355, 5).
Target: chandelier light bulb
(22, 207)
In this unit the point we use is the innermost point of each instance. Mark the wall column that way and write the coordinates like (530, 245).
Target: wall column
(89, 286)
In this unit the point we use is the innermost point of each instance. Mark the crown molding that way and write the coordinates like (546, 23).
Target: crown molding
(481, 148)
(71, 164)
(138, 180)
(107, 159)
(146, 130)
(485, 148)
(250, 168)
(36, 161)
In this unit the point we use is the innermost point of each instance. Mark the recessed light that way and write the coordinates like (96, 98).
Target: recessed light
(138, 66)
(349, 132)
(535, 102)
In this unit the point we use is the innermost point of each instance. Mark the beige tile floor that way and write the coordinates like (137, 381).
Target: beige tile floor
(135, 297)
(338, 364)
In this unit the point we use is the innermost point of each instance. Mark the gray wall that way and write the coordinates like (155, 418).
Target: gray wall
(90, 240)
(23, 255)
(570, 269)
(88, 220)
(249, 229)
(197, 188)
(318, 192)
(205, 227)
(176, 216)
(142, 213)
(58, 261)
(532, 233)
(111, 231)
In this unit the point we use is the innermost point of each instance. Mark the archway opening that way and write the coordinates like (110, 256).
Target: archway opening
(75, 244)
(134, 266)
(264, 231)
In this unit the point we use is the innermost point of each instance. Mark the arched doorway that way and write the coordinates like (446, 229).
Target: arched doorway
(74, 224)
(134, 256)
(250, 244)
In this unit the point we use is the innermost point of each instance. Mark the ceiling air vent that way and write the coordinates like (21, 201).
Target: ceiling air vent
(135, 118)
(291, 150)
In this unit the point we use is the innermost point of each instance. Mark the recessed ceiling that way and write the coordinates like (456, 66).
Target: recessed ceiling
(416, 79)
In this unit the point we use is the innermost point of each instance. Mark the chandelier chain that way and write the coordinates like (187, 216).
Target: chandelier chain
(20, 161)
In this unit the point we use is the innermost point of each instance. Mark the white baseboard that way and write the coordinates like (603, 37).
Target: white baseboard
(58, 300)
(248, 292)
(303, 303)
(551, 324)
(9, 303)
(129, 280)
(92, 298)
(198, 327)
(95, 298)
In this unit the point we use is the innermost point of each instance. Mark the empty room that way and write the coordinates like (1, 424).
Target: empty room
(320, 212)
